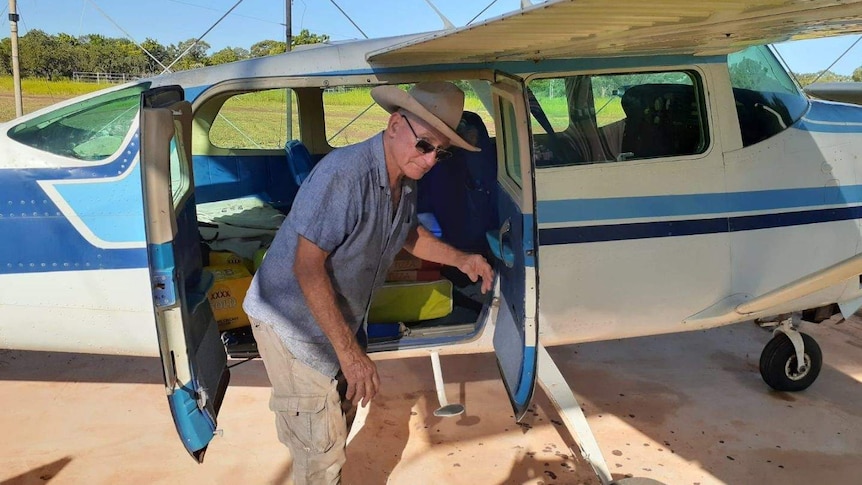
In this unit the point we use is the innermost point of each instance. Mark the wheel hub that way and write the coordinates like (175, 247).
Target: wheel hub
(792, 372)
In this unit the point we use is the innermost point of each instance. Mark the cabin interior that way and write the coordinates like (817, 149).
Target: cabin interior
(248, 167)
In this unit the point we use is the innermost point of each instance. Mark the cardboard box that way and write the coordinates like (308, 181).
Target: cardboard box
(406, 261)
(227, 294)
(224, 258)
(414, 275)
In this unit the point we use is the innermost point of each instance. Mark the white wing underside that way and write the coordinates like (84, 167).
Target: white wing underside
(602, 28)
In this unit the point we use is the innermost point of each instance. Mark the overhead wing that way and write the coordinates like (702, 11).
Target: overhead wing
(602, 28)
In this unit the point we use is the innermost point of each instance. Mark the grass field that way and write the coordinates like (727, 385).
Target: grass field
(258, 120)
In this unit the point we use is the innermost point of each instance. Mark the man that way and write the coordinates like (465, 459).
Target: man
(309, 299)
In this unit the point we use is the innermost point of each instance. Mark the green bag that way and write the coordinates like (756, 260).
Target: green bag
(411, 301)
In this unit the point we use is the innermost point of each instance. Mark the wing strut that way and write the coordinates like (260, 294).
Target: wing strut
(567, 405)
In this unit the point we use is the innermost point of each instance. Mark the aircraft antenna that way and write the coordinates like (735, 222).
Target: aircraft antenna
(16, 69)
(446, 22)
(348, 18)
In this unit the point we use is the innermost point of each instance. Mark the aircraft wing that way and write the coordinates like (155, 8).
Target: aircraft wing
(602, 28)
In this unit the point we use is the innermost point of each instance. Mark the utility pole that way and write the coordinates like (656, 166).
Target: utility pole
(16, 68)
(288, 39)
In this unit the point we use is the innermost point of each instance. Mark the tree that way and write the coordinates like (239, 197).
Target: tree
(306, 37)
(228, 54)
(827, 77)
(857, 74)
(194, 58)
(266, 48)
(158, 51)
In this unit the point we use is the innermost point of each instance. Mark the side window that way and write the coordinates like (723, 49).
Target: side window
(615, 117)
(510, 144)
(257, 120)
(767, 99)
(352, 116)
(90, 130)
(180, 180)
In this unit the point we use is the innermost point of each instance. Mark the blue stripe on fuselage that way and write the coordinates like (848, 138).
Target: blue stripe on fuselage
(35, 236)
(647, 230)
(575, 210)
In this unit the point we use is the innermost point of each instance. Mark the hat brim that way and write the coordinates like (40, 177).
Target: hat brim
(391, 98)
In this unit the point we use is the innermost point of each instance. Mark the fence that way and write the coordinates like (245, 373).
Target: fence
(105, 77)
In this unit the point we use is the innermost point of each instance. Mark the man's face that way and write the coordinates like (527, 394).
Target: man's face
(416, 138)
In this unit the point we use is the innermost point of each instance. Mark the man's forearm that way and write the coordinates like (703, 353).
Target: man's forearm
(424, 245)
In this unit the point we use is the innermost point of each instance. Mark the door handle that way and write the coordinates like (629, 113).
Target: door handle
(501, 250)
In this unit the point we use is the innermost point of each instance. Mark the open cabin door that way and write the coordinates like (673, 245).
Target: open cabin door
(193, 356)
(514, 245)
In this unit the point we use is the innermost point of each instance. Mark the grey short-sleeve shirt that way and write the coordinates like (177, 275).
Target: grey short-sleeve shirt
(345, 208)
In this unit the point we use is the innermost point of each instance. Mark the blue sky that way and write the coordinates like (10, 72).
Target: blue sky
(172, 21)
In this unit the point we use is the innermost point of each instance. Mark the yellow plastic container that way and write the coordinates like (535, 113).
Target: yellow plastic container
(411, 301)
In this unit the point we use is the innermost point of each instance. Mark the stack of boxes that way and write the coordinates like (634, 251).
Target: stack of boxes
(232, 278)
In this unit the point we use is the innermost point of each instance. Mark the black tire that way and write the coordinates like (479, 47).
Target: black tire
(778, 363)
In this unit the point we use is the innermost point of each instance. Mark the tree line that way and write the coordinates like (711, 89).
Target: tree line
(58, 56)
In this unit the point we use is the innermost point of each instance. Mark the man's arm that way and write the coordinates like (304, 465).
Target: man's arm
(424, 245)
(359, 370)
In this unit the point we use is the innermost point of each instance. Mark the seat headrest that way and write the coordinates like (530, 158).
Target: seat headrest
(299, 160)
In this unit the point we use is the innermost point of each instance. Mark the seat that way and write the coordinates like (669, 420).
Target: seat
(461, 192)
(661, 120)
(299, 160)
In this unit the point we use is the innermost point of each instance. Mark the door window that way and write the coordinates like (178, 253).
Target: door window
(352, 116)
(256, 120)
(511, 144)
(587, 119)
(180, 172)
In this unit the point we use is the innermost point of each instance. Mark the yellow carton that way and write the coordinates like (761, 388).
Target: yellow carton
(227, 294)
(223, 258)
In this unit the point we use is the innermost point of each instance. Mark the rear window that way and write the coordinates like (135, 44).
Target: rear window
(91, 130)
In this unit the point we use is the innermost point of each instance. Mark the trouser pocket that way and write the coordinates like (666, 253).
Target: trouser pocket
(307, 422)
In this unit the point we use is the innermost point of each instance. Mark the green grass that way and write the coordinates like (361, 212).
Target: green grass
(43, 87)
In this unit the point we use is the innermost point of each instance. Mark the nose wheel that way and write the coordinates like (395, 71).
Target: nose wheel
(780, 365)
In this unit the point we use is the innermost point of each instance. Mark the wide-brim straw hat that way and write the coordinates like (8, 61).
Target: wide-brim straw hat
(439, 104)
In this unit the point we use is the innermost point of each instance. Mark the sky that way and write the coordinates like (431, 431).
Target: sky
(173, 21)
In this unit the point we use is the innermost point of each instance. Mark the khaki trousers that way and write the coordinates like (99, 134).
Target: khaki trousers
(312, 416)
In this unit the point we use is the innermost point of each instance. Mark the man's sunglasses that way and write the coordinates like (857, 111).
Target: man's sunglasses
(425, 147)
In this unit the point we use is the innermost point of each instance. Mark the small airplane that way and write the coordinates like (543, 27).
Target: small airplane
(645, 169)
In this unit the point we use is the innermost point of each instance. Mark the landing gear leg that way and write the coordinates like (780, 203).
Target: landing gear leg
(791, 361)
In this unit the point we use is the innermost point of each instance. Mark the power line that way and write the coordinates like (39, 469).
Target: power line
(217, 10)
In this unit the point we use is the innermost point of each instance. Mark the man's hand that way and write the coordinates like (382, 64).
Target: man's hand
(475, 267)
(361, 375)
